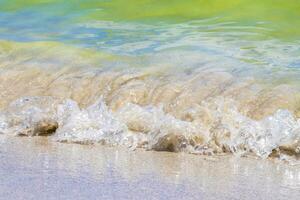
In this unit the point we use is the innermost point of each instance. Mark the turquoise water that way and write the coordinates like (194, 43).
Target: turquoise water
(262, 37)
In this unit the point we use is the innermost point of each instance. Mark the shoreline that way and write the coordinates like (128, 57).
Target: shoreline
(40, 168)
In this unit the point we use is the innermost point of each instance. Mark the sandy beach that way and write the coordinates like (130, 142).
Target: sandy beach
(36, 168)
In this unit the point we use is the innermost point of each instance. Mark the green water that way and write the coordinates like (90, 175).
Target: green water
(260, 36)
(280, 16)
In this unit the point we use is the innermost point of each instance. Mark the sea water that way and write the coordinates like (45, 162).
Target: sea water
(208, 78)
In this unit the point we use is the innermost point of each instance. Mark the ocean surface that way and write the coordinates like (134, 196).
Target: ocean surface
(200, 77)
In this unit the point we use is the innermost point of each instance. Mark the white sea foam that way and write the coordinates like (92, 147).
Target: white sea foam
(151, 128)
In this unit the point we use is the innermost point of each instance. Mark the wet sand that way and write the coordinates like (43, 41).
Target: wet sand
(36, 168)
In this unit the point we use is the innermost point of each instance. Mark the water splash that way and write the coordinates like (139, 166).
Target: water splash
(151, 128)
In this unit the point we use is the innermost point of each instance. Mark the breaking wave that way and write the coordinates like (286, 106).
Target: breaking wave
(149, 127)
(92, 97)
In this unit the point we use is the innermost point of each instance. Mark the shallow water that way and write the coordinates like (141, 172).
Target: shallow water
(34, 168)
(198, 77)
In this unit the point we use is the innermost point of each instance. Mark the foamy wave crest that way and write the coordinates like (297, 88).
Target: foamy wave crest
(220, 129)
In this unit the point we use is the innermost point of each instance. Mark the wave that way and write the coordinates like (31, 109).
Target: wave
(226, 130)
(81, 97)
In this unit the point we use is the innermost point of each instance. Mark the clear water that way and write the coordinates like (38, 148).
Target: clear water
(195, 76)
